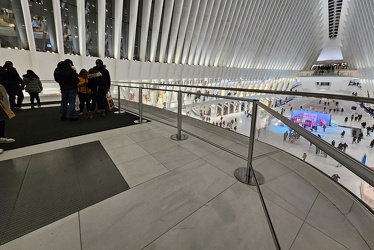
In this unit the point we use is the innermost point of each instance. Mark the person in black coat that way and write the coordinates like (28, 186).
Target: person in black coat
(13, 84)
(95, 83)
(103, 89)
(68, 80)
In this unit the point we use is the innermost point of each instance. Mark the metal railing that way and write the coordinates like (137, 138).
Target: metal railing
(248, 175)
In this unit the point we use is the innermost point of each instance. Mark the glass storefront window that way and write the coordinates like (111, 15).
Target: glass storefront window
(43, 25)
(109, 27)
(12, 25)
(125, 28)
(91, 28)
(70, 26)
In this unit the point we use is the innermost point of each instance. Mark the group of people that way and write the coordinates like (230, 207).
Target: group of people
(91, 87)
(11, 94)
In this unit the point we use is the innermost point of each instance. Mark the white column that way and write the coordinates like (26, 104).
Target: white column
(58, 27)
(101, 7)
(81, 15)
(30, 34)
(132, 28)
(118, 12)
(155, 28)
(147, 4)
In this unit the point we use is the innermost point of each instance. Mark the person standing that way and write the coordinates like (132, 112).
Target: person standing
(13, 84)
(68, 80)
(103, 88)
(83, 92)
(304, 156)
(285, 135)
(363, 160)
(4, 116)
(95, 80)
(33, 86)
(342, 134)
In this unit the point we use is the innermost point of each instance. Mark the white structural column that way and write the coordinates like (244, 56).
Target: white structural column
(155, 28)
(178, 6)
(30, 34)
(168, 10)
(144, 30)
(209, 16)
(81, 15)
(101, 27)
(190, 30)
(196, 33)
(132, 28)
(58, 27)
(182, 30)
(117, 27)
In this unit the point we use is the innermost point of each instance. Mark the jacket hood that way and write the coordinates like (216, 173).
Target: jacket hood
(95, 75)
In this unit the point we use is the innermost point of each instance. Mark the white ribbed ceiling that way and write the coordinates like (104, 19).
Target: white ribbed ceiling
(358, 36)
(271, 34)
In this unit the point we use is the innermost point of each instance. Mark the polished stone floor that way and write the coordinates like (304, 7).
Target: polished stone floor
(183, 195)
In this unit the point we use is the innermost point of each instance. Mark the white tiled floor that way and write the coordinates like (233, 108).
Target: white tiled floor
(184, 196)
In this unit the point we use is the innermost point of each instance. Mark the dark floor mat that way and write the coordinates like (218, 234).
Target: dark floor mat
(35, 126)
(39, 189)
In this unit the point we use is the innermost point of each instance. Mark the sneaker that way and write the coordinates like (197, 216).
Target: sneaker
(1, 150)
(6, 140)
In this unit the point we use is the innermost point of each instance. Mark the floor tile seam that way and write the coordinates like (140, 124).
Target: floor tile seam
(80, 229)
(304, 221)
(290, 170)
(160, 136)
(179, 166)
(189, 215)
(115, 147)
(279, 196)
(345, 215)
(15, 202)
(175, 144)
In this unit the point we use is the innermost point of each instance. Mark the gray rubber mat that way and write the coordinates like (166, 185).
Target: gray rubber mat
(39, 189)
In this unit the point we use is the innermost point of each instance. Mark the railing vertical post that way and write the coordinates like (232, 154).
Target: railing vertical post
(119, 111)
(140, 107)
(246, 175)
(179, 136)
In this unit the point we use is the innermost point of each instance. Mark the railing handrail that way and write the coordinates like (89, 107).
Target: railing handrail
(273, 92)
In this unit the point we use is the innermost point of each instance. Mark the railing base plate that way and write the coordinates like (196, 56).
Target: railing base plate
(176, 137)
(241, 175)
(138, 121)
(120, 111)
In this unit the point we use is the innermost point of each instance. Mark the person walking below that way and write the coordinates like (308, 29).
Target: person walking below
(13, 84)
(304, 156)
(103, 88)
(363, 160)
(343, 133)
(68, 80)
(33, 86)
(84, 92)
(372, 143)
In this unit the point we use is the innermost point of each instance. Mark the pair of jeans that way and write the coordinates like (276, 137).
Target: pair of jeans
(34, 96)
(12, 99)
(68, 97)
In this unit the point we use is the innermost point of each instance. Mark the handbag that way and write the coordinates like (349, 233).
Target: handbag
(10, 114)
(109, 102)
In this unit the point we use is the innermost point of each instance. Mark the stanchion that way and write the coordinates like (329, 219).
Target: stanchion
(179, 136)
(141, 120)
(119, 111)
(247, 175)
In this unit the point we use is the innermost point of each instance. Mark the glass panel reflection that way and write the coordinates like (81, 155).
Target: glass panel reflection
(12, 25)
(91, 28)
(43, 25)
(109, 26)
(70, 26)
(125, 28)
